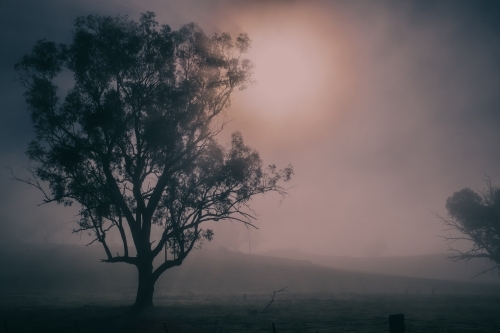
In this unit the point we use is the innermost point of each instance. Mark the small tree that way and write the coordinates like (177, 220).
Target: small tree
(133, 141)
(477, 217)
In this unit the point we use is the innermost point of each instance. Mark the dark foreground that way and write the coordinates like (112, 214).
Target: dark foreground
(291, 312)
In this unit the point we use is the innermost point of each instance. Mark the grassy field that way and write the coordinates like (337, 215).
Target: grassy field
(67, 289)
(291, 312)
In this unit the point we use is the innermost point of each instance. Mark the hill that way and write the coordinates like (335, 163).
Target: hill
(77, 269)
(431, 266)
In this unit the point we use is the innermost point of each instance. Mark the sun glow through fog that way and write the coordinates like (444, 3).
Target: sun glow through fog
(288, 73)
(302, 72)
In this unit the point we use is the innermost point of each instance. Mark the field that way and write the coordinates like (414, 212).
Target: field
(291, 312)
(67, 289)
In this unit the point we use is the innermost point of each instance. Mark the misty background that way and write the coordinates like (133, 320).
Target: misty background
(384, 109)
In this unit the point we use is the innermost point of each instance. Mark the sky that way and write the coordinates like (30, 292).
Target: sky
(384, 109)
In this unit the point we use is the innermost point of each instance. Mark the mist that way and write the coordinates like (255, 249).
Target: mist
(402, 112)
(383, 108)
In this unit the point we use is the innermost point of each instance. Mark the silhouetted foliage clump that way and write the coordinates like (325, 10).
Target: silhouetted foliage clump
(476, 216)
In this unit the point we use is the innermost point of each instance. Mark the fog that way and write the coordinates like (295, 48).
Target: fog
(383, 108)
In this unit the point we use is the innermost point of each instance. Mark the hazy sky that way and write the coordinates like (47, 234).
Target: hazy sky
(384, 108)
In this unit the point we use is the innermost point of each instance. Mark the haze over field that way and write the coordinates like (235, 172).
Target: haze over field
(220, 272)
(383, 108)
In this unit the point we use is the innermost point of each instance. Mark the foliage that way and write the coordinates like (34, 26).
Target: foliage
(477, 217)
(133, 142)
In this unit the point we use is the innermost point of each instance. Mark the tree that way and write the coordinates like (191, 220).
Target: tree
(133, 142)
(476, 216)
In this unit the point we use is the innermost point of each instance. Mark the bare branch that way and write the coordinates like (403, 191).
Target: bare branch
(274, 294)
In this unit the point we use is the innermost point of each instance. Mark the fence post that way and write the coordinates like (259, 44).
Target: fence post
(215, 330)
(397, 323)
(274, 329)
(5, 324)
(165, 326)
(77, 329)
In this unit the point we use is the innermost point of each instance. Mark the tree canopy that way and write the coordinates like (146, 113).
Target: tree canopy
(476, 216)
(131, 138)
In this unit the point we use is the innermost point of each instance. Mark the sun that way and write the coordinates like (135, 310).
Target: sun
(303, 74)
(289, 72)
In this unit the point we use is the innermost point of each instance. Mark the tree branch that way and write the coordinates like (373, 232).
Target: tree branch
(274, 294)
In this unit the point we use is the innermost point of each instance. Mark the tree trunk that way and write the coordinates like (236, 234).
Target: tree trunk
(146, 287)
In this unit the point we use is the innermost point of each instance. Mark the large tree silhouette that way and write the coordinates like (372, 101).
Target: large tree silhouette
(133, 141)
(476, 216)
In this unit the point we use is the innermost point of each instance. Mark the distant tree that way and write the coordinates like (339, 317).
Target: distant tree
(133, 142)
(477, 217)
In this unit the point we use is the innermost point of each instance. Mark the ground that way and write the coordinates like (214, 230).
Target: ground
(291, 312)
